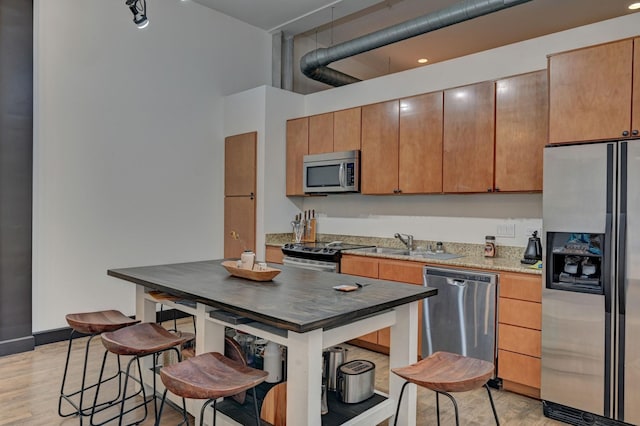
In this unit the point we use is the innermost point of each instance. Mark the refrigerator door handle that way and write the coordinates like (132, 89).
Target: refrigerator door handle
(606, 276)
(622, 256)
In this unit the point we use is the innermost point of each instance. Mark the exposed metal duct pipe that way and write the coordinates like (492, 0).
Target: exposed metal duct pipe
(314, 63)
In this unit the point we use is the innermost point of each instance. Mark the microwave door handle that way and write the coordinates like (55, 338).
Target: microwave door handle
(341, 175)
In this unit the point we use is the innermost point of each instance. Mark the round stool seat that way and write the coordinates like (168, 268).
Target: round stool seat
(99, 321)
(210, 376)
(141, 339)
(447, 372)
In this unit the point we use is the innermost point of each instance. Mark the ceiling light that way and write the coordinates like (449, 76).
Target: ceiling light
(634, 6)
(139, 10)
(423, 60)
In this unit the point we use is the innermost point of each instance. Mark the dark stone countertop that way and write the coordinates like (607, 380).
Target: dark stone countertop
(296, 299)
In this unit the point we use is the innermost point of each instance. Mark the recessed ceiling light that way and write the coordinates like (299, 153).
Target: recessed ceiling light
(634, 6)
(423, 60)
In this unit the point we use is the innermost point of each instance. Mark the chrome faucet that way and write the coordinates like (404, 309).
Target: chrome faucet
(407, 242)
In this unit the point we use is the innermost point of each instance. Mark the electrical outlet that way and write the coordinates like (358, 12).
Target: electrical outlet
(506, 230)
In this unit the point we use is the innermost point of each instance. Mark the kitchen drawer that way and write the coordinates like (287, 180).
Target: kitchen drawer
(521, 286)
(359, 265)
(521, 340)
(399, 270)
(273, 254)
(519, 368)
(520, 313)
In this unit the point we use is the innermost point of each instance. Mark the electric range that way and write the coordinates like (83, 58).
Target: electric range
(323, 256)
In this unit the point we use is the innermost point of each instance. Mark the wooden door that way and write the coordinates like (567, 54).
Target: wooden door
(522, 118)
(240, 164)
(321, 133)
(239, 216)
(420, 144)
(240, 160)
(468, 138)
(297, 148)
(590, 92)
(347, 125)
(379, 159)
(635, 107)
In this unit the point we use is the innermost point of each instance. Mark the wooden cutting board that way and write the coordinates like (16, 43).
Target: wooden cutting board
(274, 405)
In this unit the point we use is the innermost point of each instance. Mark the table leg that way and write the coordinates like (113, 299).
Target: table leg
(304, 378)
(404, 351)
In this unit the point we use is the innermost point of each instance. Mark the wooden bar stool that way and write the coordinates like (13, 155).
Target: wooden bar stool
(138, 340)
(92, 324)
(210, 376)
(445, 372)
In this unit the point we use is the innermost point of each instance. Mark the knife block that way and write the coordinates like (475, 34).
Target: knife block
(309, 235)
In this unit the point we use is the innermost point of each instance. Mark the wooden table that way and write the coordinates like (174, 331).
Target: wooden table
(298, 309)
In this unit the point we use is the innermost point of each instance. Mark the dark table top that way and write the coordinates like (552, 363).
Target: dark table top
(296, 299)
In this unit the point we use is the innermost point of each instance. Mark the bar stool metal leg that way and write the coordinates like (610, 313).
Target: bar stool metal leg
(455, 406)
(395, 420)
(493, 407)
(79, 409)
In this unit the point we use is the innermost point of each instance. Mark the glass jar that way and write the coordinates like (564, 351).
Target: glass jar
(490, 246)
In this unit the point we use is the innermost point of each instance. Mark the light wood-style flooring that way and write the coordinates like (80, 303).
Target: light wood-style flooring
(30, 384)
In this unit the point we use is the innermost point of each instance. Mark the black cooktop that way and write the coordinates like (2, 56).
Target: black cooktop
(328, 251)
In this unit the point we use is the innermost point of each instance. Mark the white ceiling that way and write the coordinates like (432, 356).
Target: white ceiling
(334, 21)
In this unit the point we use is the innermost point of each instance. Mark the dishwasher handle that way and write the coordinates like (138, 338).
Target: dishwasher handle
(457, 283)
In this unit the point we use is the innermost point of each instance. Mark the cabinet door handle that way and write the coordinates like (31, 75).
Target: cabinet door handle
(635, 132)
(625, 133)
(497, 189)
(489, 190)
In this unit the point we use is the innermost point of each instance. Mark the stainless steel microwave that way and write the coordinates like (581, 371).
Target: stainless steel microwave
(331, 172)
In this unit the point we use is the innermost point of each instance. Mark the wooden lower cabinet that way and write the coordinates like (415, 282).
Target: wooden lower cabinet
(519, 332)
(273, 254)
(519, 319)
(384, 269)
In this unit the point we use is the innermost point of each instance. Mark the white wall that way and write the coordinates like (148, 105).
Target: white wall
(456, 218)
(128, 135)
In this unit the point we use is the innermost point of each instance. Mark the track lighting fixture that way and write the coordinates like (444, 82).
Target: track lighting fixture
(139, 10)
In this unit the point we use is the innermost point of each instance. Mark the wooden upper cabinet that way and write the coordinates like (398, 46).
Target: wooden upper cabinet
(297, 148)
(379, 159)
(521, 131)
(347, 125)
(590, 93)
(468, 138)
(420, 144)
(240, 164)
(321, 133)
(635, 107)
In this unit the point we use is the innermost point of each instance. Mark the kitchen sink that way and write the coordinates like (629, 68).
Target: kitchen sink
(385, 250)
(436, 256)
(412, 253)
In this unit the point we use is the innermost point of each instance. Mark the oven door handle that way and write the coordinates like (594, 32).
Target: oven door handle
(311, 265)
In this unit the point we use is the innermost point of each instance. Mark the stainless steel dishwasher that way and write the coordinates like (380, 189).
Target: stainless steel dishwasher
(461, 318)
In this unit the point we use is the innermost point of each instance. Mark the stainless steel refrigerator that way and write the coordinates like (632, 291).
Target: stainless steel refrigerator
(591, 294)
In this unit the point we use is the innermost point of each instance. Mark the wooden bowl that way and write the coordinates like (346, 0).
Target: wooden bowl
(253, 275)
